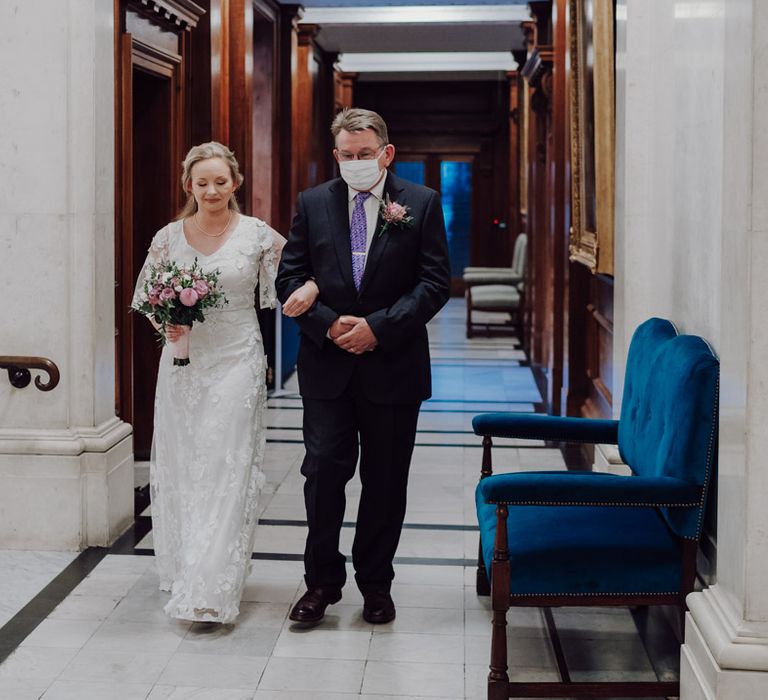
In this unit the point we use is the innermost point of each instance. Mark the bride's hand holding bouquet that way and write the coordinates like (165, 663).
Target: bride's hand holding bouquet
(173, 297)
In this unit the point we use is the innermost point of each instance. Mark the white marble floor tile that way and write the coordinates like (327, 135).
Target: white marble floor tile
(109, 690)
(613, 623)
(146, 543)
(429, 575)
(414, 516)
(144, 608)
(425, 621)
(213, 671)
(368, 696)
(67, 634)
(334, 675)
(94, 665)
(409, 595)
(418, 648)
(23, 574)
(106, 584)
(289, 500)
(122, 635)
(526, 622)
(270, 570)
(586, 654)
(400, 678)
(476, 679)
(262, 615)
(233, 640)
(267, 591)
(303, 695)
(169, 692)
(322, 644)
(22, 688)
(36, 663)
(278, 511)
(472, 601)
(124, 564)
(440, 544)
(522, 651)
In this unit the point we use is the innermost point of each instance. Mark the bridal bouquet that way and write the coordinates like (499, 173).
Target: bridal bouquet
(178, 295)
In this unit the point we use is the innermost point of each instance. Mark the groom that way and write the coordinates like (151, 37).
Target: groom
(364, 357)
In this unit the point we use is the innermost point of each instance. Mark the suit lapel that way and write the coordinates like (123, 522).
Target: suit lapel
(338, 218)
(379, 242)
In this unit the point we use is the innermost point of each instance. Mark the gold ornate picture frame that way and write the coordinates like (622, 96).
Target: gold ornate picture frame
(523, 129)
(592, 130)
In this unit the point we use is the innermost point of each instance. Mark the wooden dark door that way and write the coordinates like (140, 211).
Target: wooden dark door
(150, 142)
(153, 180)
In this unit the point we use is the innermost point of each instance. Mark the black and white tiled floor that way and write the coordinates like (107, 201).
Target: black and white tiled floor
(108, 638)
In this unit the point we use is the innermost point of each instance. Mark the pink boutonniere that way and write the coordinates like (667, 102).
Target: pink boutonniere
(394, 214)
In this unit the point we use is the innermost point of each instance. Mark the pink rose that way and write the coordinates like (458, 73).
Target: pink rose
(167, 294)
(201, 288)
(188, 297)
(394, 212)
(154, 296)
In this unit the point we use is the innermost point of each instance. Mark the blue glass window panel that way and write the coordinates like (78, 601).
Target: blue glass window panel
(412, 170)
(456, 191)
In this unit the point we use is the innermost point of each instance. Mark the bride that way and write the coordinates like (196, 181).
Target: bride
(209, 436)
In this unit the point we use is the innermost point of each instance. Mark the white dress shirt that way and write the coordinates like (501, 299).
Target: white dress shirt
(371, 206)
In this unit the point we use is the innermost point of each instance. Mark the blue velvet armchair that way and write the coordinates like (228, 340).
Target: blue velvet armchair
(585, 538)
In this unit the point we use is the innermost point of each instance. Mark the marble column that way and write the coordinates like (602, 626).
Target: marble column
(692, 245)
(66, 465)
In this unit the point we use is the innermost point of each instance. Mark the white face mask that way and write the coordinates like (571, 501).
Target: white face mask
(360, 174)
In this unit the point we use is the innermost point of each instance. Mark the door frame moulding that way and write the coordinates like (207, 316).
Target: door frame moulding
(178, 14)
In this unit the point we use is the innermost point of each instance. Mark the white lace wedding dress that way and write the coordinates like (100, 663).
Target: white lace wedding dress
(209, 435)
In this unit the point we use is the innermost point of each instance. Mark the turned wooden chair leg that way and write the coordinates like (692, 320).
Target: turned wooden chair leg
(470, 333)
(486, 466)
(482, 584)
(498, 678)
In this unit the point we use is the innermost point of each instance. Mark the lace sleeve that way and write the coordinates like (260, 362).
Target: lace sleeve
(270, 259)
(158, 252)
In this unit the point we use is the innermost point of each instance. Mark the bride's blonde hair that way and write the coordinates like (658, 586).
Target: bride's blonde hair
(212, 149)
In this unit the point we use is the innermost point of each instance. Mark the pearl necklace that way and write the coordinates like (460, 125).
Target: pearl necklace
(212, 235)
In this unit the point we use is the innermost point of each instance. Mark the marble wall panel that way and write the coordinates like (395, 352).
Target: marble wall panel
(37, 323)
(692, 231)
(57, 244)
(733, 344)
(33, 109)
(760, 112)
(756, 477)
(64, 79)
(40, 502)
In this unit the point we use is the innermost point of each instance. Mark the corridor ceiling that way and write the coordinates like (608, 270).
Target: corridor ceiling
(429, 40)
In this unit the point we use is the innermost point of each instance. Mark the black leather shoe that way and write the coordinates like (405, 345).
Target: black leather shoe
(378, 608)
(311, 606)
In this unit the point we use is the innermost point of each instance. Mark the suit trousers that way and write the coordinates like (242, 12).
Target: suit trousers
(336, 431)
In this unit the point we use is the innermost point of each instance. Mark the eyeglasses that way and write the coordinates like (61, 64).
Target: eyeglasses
(364, 154)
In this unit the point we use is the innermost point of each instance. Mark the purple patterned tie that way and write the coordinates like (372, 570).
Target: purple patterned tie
(358, 234)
